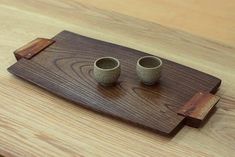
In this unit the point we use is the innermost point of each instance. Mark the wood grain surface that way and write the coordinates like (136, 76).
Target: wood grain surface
(66, 69)
(35, 123)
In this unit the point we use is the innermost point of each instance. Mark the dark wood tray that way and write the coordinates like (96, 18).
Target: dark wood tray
(63, 65)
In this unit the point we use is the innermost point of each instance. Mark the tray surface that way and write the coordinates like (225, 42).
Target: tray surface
(66, 69)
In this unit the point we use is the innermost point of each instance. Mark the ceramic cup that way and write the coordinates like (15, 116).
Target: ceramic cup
(148, 69)
(107, 70)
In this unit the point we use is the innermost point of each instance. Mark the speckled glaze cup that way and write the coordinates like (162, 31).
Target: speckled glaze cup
(107, 70)
(148, 69)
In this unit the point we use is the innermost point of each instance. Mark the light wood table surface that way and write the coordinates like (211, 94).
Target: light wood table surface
(34, 122)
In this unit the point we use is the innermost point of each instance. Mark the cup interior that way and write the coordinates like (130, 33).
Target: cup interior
(107, 63)
(150, 62)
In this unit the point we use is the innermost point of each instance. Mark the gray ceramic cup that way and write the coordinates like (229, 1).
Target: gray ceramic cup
(107, 70)
(148, 69)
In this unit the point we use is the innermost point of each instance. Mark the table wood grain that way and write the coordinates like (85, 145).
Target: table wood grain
(36, 123)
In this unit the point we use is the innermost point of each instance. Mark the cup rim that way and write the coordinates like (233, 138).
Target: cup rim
(112, 58)
(155, 67)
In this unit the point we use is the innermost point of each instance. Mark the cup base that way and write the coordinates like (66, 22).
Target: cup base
(149, 84)
(107, 84)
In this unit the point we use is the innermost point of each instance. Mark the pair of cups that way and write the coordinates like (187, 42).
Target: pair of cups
(107, 70)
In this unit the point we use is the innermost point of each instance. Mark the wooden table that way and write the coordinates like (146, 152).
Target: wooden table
(34, 122)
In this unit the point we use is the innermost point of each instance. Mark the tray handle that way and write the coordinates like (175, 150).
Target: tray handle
(32, 48)
(199, 108)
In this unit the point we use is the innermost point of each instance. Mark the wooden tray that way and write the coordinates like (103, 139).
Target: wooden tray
(63, 65)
